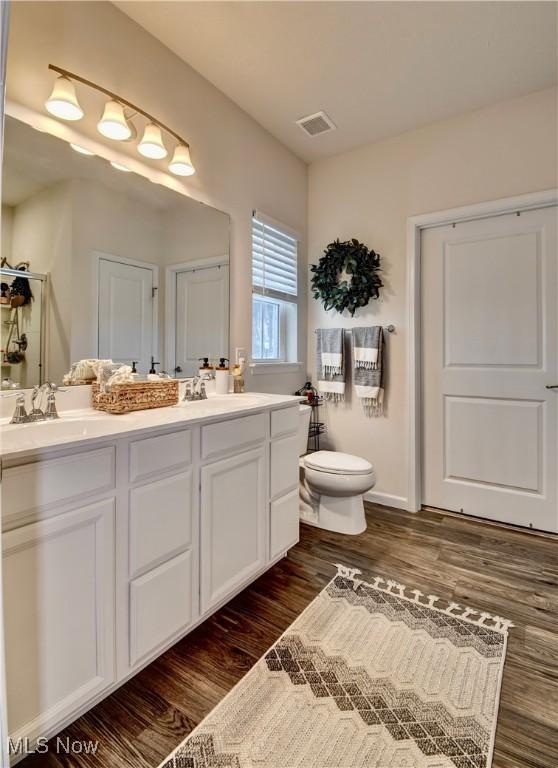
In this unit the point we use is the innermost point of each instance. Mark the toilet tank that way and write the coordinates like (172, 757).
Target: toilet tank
(304, 424)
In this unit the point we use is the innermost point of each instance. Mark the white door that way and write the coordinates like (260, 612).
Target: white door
(489, 354)
(202, 316)
(126, 313)
(233, 524)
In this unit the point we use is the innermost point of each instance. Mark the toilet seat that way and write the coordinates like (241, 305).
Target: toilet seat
(336, 463)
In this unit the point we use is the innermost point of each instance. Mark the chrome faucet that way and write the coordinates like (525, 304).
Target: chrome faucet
(195, 388)
(20, 415)
(36, 414)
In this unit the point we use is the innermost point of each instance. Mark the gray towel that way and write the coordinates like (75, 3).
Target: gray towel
(330, 363)
(368, 354)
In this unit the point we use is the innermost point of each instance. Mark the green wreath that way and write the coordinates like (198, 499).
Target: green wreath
(354, 259)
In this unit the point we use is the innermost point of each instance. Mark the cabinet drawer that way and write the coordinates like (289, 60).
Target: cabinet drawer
(161, 605)
(285, 421)
(43, 485)
(284, 531)
(153, 455)
(160, 520)
(284, 465)
(233, 435)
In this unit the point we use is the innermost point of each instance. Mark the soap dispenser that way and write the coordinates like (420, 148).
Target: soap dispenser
(207, 373)
(204, 367)
(222, 377)
(153, 375)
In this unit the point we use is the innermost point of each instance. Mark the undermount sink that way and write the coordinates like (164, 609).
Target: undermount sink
(228, 401)
(73, 427)
(84, 424)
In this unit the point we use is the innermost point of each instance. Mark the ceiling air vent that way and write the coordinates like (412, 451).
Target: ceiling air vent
(313, 125)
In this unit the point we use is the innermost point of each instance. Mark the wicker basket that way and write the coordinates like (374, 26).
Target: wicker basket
(135, 396)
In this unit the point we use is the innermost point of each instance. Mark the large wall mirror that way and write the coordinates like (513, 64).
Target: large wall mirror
(100, 262)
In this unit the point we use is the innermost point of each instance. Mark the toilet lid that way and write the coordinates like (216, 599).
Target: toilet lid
(337, 463)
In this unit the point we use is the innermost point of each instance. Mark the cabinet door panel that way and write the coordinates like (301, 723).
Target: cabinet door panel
(160, 520)
(160, 605)
(233, 523)
(285, 523)
(284, 465)
(59, 608)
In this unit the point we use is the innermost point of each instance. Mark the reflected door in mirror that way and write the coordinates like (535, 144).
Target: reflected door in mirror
(126, 313)
(202, 316)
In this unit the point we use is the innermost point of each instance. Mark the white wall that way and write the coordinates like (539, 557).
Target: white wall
(239, 165)
(6, 224)
(192, 233)
(369, 193)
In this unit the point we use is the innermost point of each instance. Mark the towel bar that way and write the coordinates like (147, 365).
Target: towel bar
(389, 328)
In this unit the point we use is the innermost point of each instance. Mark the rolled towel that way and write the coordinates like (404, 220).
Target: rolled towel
(122, 375)
(105, 373)
(84, 370)
(330, 363)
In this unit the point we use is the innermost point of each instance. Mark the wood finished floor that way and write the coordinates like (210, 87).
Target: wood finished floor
(498, 569)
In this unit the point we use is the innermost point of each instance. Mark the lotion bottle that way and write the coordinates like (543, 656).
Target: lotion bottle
(222, 377)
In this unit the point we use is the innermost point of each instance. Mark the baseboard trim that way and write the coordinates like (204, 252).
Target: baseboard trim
(388, 499)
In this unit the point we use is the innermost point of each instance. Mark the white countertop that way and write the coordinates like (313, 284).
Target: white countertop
(84, 426)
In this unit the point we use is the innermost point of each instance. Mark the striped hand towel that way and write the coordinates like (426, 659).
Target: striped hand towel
(368, 353)
(330, 363)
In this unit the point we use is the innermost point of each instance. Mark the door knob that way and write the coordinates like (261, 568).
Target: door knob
(552, 386)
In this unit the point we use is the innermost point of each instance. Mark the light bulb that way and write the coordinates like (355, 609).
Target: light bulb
(63, 101)
(181, 163)
(151, 144)
(82, 150)
(120, 167)
(113, 123)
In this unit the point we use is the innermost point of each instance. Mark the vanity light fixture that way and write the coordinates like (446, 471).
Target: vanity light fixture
(116, 124)
(119, 167)
(82, 150)
(113, 123)
(181, 164)
(63, 102)
(151, 144)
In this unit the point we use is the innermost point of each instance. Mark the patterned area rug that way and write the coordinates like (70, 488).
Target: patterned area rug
(369, 676)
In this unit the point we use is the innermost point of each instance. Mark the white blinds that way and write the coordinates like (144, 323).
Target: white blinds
(274, 260)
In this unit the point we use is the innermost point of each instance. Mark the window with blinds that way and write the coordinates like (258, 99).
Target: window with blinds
(274, 261)
(274, 291)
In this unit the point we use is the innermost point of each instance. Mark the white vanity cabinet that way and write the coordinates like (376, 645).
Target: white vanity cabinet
(58, 571)
(115, 550)
(159, 588)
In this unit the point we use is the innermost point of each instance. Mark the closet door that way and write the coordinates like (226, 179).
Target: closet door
(490, 339)
(202, 316)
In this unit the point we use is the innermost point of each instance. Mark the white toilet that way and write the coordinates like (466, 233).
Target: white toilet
(332, 485)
